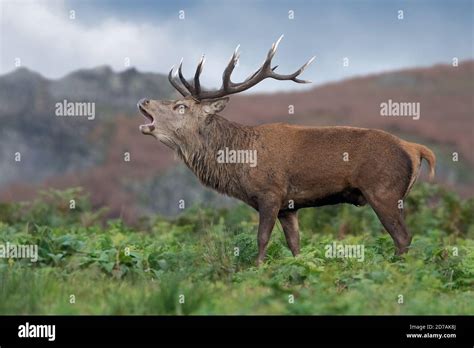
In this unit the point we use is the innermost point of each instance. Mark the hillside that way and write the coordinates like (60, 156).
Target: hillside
(63, 153)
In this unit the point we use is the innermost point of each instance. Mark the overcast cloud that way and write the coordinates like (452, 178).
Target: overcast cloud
(153, 37)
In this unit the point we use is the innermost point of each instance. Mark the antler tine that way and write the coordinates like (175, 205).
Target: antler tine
(197, 84)
(226, 82)
(268, 61)
(275, 45)
(175, 84)
(186, 84)
(293, 76)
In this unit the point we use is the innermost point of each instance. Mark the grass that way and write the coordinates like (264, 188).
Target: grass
(203, 262)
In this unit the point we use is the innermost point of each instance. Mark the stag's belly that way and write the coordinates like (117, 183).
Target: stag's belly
(305, 199)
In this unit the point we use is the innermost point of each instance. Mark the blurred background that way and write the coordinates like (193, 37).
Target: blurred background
(114, 53)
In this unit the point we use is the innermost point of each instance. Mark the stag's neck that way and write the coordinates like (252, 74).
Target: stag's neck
(201, 155)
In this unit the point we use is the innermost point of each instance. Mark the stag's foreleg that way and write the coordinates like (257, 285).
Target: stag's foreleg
(289, 223)
(268, 210)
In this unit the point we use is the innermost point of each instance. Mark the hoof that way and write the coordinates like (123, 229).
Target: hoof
(401, 251)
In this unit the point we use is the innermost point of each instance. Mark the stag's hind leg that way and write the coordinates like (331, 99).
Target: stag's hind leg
(390, 215)
(289, 223)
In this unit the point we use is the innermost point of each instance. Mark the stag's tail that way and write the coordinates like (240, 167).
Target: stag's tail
(429, 156)
(417, 153)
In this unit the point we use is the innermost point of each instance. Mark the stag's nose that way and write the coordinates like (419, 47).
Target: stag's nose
(143, 102)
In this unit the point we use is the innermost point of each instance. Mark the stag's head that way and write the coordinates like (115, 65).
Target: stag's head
(174, 122)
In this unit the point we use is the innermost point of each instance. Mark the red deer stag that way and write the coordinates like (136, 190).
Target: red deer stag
(297, 167)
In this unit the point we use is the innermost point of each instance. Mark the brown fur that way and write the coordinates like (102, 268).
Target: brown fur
(303, 165)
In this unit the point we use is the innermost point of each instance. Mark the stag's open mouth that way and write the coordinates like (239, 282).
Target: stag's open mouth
(149, 127)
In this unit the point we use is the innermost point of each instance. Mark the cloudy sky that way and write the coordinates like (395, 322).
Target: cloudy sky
(152, 37)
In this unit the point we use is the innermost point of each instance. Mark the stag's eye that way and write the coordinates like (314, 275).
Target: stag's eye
(181, 108)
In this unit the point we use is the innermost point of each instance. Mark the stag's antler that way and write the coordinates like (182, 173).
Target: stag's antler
(229, 87)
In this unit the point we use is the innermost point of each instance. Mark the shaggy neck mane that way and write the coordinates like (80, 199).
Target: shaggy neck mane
(200, 153)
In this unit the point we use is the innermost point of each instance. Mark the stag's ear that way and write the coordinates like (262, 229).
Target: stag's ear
(214, 106)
